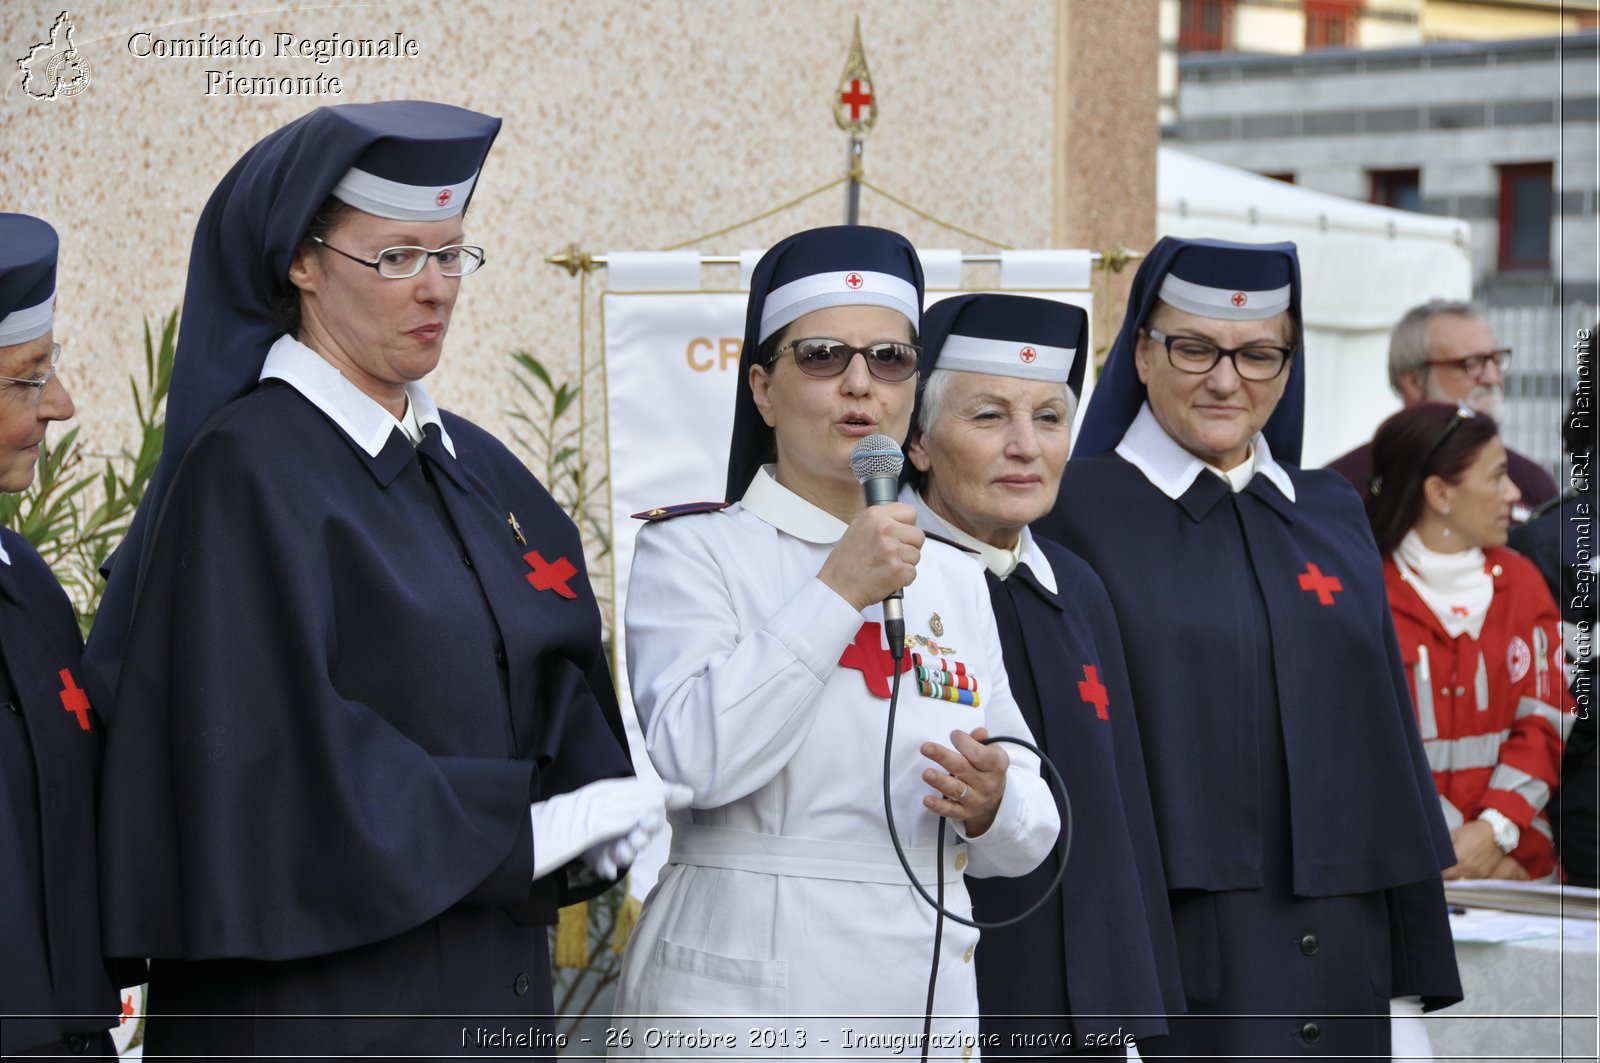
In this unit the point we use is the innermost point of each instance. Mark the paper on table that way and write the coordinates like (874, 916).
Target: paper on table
(1485, 926)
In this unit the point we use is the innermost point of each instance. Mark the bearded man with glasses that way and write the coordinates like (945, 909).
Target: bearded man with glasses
(1444, 351)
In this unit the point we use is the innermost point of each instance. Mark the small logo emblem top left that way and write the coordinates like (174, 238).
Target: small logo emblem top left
(55, 68)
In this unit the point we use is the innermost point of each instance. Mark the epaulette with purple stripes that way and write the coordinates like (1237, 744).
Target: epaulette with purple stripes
(668, 512)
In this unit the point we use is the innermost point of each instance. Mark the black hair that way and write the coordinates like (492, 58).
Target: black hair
(1428, 439)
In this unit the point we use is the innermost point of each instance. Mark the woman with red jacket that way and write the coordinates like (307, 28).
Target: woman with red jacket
(1479, 635)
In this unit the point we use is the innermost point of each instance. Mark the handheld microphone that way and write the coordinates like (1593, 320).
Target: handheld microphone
(877, 461)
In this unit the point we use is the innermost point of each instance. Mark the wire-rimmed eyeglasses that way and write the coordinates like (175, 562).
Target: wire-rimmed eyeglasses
(38, 383)
(1190, 354)
(398, 263)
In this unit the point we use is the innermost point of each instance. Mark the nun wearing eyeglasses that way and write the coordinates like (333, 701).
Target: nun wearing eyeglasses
(59, 999)
(759, 664)
(363, 741)
(1096, 967)
(1300, 831)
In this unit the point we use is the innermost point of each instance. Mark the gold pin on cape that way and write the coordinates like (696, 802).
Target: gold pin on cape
(516, 528)
(936, 626)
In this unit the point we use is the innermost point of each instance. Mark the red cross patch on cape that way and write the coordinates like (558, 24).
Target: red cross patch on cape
(1093, 692)
(1324, 587)
(74, 700)
(551, 575)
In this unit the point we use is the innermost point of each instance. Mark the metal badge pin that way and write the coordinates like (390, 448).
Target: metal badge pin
(516, 528)
(936, 626)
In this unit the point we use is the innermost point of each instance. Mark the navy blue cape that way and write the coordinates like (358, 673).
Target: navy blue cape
(1364, 809)
(347, 679)
(1100, 956)
(54, 981)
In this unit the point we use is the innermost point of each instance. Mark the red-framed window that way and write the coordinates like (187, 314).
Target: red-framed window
(1527, 196)
(1331, 23)
(1205, 25)
(1401, 189)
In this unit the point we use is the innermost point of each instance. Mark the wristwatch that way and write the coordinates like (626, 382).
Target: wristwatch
(1506, 833)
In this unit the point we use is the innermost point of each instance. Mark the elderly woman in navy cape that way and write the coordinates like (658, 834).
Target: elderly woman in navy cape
(58, 996)
(1002, 376)
(1299, 826)
(759, 664)
(363, 726)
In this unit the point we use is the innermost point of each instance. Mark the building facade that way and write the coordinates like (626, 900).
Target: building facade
(1481, 111)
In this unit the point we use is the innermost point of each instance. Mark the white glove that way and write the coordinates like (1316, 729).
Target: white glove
(605, 822)
(1408, 1035)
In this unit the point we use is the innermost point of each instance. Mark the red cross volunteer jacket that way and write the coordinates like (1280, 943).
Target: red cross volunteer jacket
(1493, 711)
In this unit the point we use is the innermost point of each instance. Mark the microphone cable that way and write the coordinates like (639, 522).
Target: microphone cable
(1063, 847)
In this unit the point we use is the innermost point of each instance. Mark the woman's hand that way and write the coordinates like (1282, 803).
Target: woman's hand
(1476, 853)
(972, 782)
(877, 555)
(1509, 868)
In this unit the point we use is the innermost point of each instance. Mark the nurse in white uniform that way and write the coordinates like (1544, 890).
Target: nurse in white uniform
(784, 924)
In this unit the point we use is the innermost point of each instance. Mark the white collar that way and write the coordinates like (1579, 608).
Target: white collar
(1173, 470)
(5, 558)
(996, 559)
(788, 512)
(356, 413)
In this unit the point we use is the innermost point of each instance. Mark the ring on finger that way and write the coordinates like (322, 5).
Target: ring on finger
(966, 788)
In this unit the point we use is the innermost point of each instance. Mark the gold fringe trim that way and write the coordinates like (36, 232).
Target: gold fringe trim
(627, 917)
(572, 936)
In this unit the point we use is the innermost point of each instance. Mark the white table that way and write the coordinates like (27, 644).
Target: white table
(1525, 1000)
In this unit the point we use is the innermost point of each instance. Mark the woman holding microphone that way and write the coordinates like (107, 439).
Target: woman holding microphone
(758, 661)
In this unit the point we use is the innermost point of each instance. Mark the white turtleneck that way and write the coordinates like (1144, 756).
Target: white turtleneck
(1456, 587)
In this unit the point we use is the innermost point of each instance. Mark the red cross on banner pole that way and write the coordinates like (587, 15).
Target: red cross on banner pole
(855, 99)
(1324, 587)
(74, 700)
(1092, 691)
(855, 109)
(867, 656)
(552, 575)
(855, 104)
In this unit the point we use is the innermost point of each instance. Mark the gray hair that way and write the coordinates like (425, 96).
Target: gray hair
(1408, 343)
(938, 385)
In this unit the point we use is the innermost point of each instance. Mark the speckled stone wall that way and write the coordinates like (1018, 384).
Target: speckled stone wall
(1105, 176)
(629, 124)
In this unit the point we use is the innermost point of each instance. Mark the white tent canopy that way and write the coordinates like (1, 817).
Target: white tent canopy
(1363, 266)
